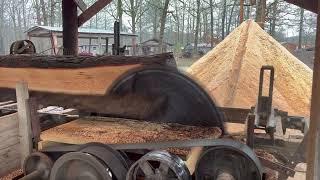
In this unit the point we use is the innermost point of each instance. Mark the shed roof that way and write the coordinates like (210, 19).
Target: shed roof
(311, 5)
(45, 31)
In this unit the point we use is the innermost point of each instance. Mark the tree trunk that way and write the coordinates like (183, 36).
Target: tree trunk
(261, 13)
(155, 24)
(24, 15)
(2, 49)
(211, 23)
(44, 13)
(301, 27)
(163, 24)
(119, 13)
(274, 18)
(182, 28)
(230, 18)
(52, 12)
(37, 7)
(224, 11)
(196, 38)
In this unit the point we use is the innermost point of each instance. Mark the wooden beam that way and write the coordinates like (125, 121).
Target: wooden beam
(91, 11)
(313, 157)
(70, 27)
(82, 5)
(310, 5)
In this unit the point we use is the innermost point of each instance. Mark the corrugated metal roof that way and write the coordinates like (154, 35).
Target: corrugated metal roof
(48, 29)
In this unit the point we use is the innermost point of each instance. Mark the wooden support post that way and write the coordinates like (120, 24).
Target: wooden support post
(92, 10)
(313, 153)
(70, 27)
(100, 52)
(35, 122)
(24, 120)
(54, 43)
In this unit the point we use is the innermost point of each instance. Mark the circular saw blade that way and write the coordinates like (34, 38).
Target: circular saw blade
(173, 97)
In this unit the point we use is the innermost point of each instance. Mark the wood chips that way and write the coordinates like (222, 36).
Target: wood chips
(121, 131)
(230, 72)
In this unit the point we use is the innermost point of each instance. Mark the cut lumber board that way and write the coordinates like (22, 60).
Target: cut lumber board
(122, 131)
(72, 75)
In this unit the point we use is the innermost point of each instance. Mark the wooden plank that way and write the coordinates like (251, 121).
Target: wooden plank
(24, 119)
(313, 155)
(6, 102)
(92, 10)
(11, 152)
(9, 165)
(8, 121)
(115, 130)
(11, 140)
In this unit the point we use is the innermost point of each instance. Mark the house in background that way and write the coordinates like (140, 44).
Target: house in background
(152, 46)
(48, 40)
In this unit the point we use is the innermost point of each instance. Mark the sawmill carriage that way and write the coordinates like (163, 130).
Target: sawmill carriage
(188, 139)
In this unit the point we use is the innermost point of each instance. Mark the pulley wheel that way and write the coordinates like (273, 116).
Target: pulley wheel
(80, 166)
(38, 162)
(177, 98)
(159, 165)
(116, 163)
(22, 47)
(230, 160)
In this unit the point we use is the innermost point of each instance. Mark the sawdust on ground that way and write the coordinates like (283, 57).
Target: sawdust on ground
(230, 72)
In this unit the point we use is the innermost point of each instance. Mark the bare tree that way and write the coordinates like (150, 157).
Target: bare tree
(196, 38)
(44, 13)
(301, 27)
(224, 12)
(163, 19)
(135, 9)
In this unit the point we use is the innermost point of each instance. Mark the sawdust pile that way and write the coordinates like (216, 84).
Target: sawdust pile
(230, 72)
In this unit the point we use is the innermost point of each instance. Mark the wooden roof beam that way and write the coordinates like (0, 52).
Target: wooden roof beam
(91, 11)
(310, 5)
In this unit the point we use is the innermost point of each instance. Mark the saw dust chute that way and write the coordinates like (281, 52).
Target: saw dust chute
(230, 72)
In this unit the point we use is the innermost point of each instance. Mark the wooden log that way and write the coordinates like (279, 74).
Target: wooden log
(71, 75)
(121, 131)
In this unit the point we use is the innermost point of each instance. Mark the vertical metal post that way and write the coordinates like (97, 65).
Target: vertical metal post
(250, 130)
(70, 27)
(116, 43)
(313, 153)
(107, 45)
